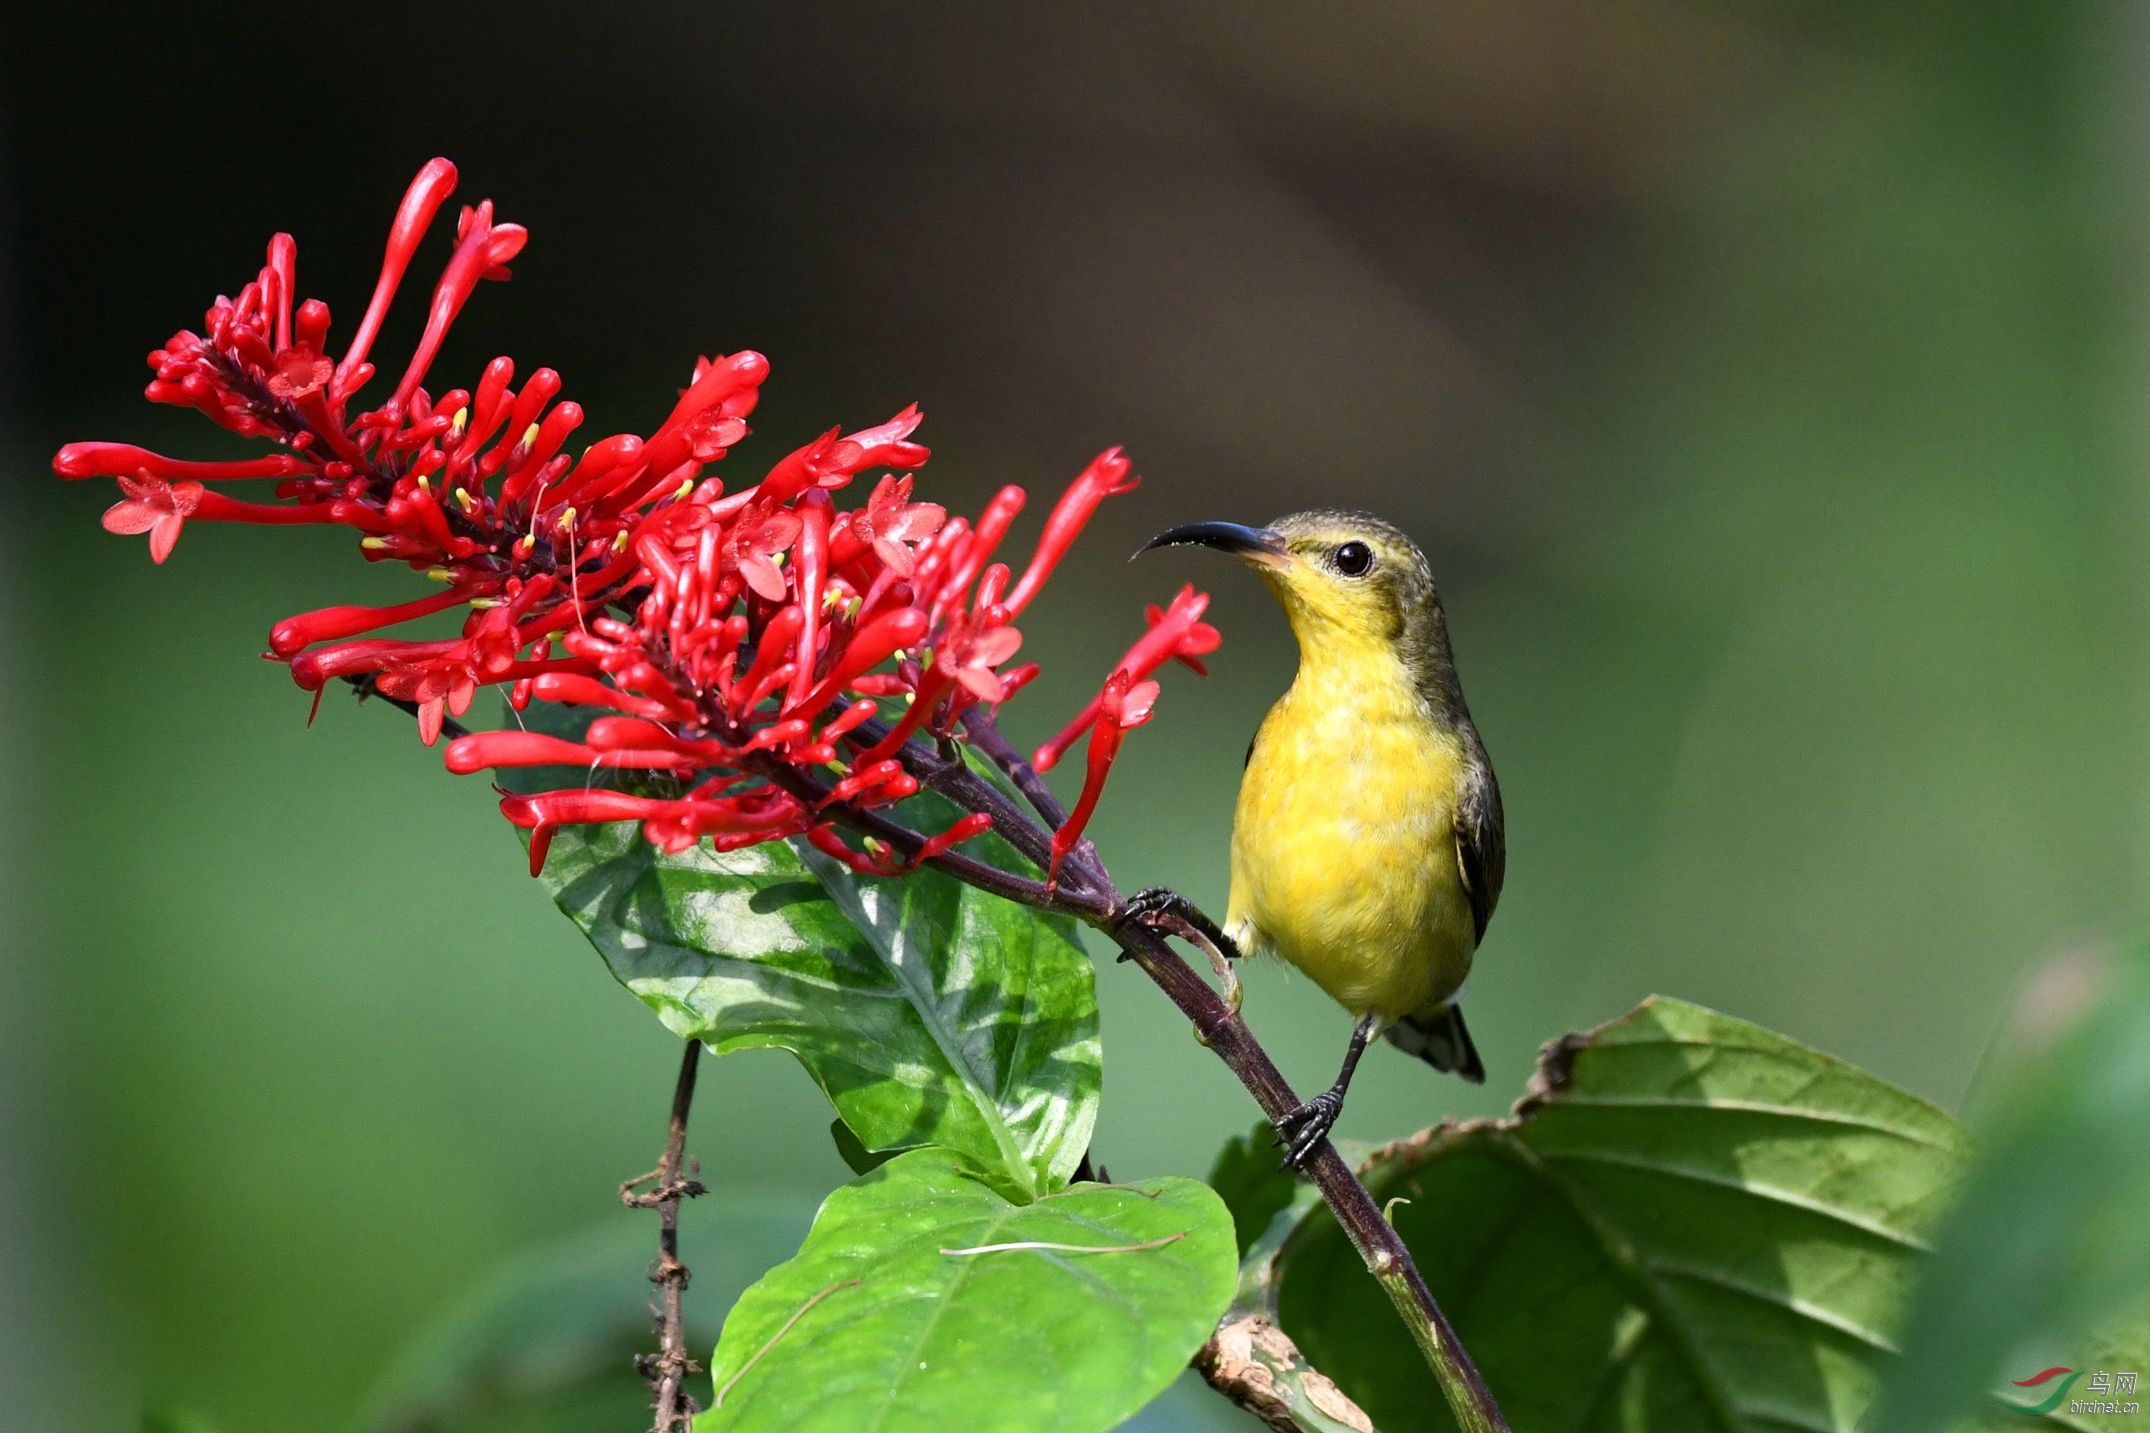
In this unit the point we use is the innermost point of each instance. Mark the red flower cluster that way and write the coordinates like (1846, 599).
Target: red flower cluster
(743, 645)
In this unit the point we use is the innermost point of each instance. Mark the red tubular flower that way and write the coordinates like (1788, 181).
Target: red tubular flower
(738, 669)
(474, 488)
(892, 523)
(295, 634)
(1175, 632)
(84, 460)
(1106, 476)
(414, 216)
(156, 507)
(1124, 703)
(975, 824)
(973, 650)
(754, 546)
(737, 647)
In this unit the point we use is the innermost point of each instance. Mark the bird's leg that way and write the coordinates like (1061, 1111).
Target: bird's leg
(1302, 1130)
(1163, 909)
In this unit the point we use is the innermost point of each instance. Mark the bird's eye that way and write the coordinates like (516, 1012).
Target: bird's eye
(1353, 558)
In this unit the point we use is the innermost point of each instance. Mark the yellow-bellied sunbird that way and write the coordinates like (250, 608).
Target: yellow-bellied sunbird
(1367, 848)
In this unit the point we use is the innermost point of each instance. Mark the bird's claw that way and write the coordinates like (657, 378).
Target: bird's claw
(1153, 907)
(1301, 1131)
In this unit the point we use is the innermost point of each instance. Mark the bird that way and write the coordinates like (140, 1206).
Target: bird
(1368, 845)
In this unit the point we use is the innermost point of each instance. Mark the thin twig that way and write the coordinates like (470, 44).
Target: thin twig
(985, 734)
(667, 1369)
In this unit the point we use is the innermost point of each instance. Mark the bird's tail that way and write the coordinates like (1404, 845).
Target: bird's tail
(1440, 1038)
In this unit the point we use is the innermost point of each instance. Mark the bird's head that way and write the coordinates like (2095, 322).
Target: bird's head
(1344, 578)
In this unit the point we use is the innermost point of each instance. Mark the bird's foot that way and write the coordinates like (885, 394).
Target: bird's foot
(1152, 909)
(1167, 912)
(1158, 907)
(1301, 1131)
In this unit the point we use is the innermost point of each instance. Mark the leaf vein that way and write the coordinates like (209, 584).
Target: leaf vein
(1768, 1192)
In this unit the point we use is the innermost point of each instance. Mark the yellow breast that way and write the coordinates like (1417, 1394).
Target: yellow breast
(1343, 846)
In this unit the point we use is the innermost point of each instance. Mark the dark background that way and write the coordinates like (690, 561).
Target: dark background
(1764, 383)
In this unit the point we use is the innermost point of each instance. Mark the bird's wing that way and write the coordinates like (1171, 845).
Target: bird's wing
(1481, 840)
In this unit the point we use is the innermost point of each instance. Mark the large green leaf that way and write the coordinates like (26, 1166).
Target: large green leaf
(1691, 1223)
(900, 1314)
(930, 1012)
(2049, 1247)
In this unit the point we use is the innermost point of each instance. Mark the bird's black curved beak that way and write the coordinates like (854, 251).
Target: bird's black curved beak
(1255, 544)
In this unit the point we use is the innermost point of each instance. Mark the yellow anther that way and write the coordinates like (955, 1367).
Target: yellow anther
(529, 438)
(459, 422)
(439, 574)
(484, 603)
(464, 501)
(373, 544)
(686, 486)
(567, 520)
(619, 540)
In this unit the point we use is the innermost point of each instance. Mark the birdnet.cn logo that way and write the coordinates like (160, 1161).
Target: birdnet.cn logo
(2106, 1392)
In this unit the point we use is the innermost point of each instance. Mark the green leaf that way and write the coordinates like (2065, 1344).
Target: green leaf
(1249, 1176)
(2050, 1243)
(861, 1159)
(876, 1324)
(1691, 1223)
(929, 1011)
(559, 1326)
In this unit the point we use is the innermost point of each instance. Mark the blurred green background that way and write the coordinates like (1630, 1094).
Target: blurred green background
(1763, 381)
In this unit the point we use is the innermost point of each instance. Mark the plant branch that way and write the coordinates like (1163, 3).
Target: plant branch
(952, 777)
(1378, 1244)
(1084, 904)
(1255, 1364)
(985, 734)
(667, 1369)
